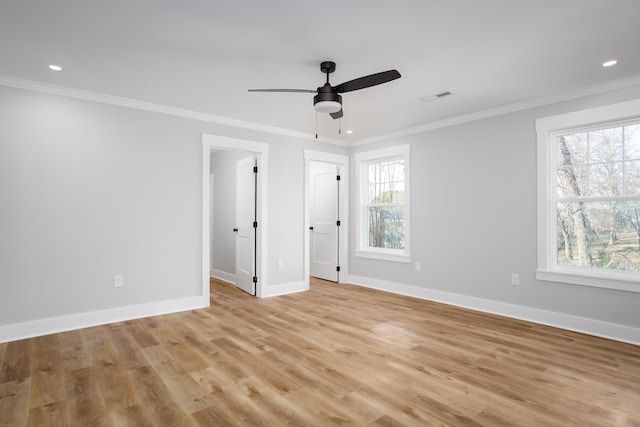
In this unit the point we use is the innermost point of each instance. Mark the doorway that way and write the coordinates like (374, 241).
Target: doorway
(255, 203)
(326, 198)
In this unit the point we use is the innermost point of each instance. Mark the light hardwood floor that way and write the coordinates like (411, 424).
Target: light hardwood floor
(336, 355)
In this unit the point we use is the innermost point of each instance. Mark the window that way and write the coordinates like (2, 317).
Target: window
(383, 198)
(589, 197)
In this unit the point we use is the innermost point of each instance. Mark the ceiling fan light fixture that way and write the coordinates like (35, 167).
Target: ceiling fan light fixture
(327, 100)
(327, 106)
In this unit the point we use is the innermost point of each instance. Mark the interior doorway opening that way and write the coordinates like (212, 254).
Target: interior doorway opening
(220, 224)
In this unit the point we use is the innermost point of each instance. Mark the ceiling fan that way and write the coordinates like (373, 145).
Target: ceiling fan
(327, 99)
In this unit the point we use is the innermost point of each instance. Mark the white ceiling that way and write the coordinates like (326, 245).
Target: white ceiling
(203, 55)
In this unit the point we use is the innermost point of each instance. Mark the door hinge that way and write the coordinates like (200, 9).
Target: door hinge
(338, 268)
(338, 223)
(255, 224)
(255, 279)
(255, 169)
(338, 177)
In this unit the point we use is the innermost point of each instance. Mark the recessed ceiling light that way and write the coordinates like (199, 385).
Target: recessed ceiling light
(55, 67)
(349, 131)
(610, 63)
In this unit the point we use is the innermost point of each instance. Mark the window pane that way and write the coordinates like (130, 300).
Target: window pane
(576, 145)
(571, 181)
(572, 172)
(605, 145)
(632, 178)
(386, 182)
(605, 179)
(632, 142)
(386, 227)
(599, 235)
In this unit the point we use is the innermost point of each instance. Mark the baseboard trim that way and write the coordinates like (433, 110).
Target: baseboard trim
(35, 328)
(569, 322)
(284, 289)
(224, 276)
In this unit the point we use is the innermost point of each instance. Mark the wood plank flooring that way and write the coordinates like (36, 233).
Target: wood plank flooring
(336, 355)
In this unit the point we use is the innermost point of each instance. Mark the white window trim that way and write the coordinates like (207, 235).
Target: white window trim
(546, 129)
(362, 249)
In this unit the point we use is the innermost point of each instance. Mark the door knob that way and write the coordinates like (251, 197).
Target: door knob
(235, 230)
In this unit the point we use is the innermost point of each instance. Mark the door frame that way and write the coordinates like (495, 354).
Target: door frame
(261, 150)
(343, 199)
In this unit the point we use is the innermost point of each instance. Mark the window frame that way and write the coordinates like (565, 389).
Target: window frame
(362, 161)
(547, 129)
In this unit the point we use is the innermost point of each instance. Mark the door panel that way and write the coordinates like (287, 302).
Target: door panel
(245, 216)
(323, 218)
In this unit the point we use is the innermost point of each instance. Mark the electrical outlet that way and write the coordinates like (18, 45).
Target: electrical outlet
(118, 281)
(418, 266)
(515, 279)
(280, 264)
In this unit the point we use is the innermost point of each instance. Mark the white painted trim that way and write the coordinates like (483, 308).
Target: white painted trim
(261, 150)
(384, 255)
(284, 289)
(224, 276)
(206, 219)
(506, 109)
(157, 108)
(343, 163)
(569, 322)
(34, 328)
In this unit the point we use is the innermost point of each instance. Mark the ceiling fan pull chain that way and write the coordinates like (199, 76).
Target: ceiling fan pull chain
(316, 125)
(340, 126)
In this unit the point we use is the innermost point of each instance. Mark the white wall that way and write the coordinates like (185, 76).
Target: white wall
(89, 190)
(474, 224)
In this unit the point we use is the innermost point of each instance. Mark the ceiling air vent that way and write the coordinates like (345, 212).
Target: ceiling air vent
(435, 97)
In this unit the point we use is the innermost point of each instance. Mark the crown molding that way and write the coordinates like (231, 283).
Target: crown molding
(506, 109)
(157, 108)
(633, 80)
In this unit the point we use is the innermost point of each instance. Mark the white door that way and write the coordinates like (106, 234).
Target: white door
(245, 232)
(323, 218)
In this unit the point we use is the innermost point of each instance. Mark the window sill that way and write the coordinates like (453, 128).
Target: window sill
(384, 256)
(619, 281)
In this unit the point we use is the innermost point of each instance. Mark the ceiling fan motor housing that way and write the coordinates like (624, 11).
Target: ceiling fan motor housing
(329, 97)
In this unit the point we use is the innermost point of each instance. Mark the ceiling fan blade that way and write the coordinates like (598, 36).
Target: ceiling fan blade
(337, 114)
(368, 81)
(283, 90)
